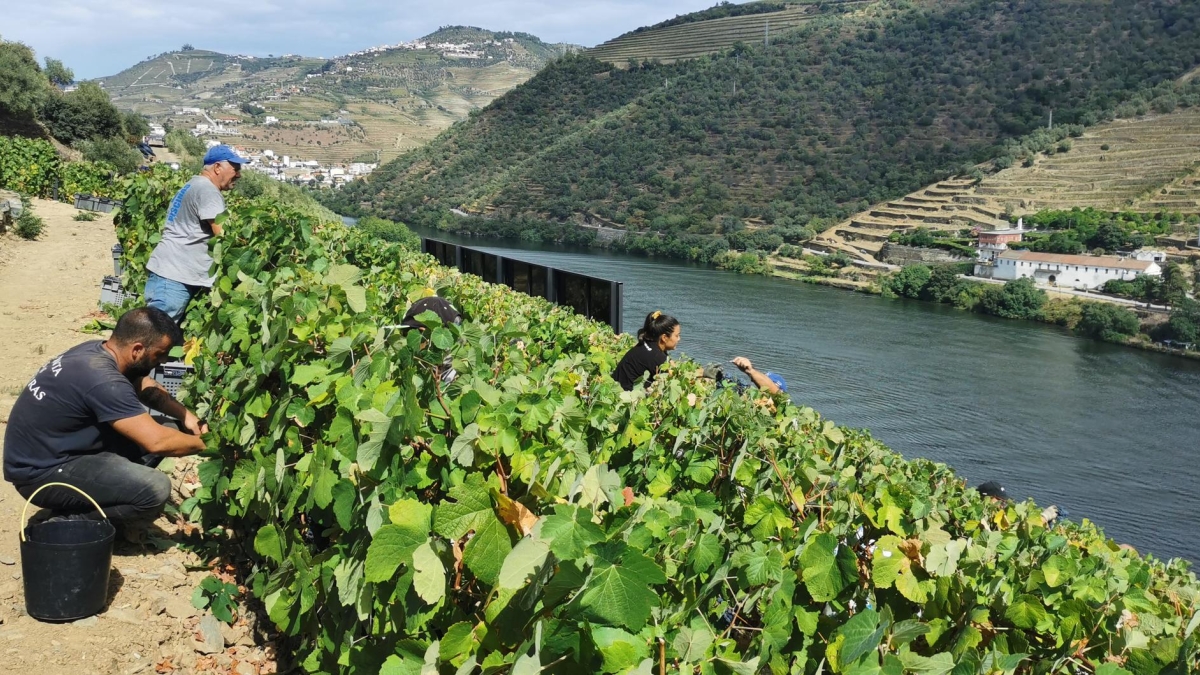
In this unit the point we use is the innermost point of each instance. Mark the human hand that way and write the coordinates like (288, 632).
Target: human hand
(1050, 514)
(194, 425)
(743, 364)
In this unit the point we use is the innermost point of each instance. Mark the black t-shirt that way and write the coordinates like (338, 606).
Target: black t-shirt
(65, 411)
(643, 358)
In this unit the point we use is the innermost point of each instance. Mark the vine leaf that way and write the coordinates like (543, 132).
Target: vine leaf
(570, 531)
(429, 574)
(393, 544)
(618, 593)
(826, 570)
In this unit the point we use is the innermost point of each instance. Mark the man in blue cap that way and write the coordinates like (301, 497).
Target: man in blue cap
(179, 266)
(768, 382)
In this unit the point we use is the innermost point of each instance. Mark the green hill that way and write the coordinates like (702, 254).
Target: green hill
(713, 30)
(397, 97)
(839, 114)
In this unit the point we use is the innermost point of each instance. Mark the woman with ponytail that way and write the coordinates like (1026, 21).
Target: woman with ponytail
(659, 335)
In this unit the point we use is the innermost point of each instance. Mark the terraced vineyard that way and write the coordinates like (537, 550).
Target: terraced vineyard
(1148, 164)
(690, 40)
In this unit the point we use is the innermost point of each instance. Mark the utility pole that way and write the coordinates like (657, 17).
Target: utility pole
(767, 34)
(1051, 124)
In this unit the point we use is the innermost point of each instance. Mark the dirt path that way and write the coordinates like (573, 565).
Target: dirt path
(48, 291)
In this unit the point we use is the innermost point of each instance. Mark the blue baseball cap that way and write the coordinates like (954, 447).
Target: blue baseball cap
(223, 153)
(778, 380)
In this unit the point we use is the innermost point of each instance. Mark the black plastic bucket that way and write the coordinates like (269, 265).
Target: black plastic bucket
(65, 565)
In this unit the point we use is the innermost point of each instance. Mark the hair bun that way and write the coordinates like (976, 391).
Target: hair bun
(655, 315)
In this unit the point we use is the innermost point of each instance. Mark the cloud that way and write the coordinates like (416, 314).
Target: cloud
(103, 37)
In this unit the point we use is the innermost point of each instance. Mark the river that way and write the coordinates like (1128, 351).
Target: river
(1100, 430)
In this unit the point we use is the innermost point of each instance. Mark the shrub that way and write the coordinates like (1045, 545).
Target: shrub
(388, 230)
(85, 216)
(112, 151)
(1017, 299)
(184, 144)
(909, 282)
(1108, 322)
(29, 225)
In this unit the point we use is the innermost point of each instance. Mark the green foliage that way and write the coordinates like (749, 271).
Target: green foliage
(28, 166)
(829, 119)
(184, 144)
(23, 88)
(219, 597)
(390, 231)
(533, 517)
(83, 114)
(1016, 299)
(85, 216)
(1184, 323)
(909, 282)
(135, 125)
(58, 74)
(29, 225)
(1168, 288)
(743, 263)
(1077, 230)
(88, 178)
(924, 237)
(1108, 322)
(114, 152)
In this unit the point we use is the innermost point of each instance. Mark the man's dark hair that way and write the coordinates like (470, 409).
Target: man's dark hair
(146, 325)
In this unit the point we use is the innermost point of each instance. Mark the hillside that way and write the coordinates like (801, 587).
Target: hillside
(1146, 164)
(709, 32)
(837, 115)
(391, 98)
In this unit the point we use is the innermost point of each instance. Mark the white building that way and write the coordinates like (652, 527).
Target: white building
(270, 119)
(1068, 271)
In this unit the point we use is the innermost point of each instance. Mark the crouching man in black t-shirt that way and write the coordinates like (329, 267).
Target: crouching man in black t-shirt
(80, 421)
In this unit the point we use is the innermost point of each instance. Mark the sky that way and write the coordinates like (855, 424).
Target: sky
(103, 37)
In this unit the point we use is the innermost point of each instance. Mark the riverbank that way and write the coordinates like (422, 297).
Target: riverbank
(1101, 322)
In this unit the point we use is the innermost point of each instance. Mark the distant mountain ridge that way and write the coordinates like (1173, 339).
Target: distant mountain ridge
(396, 96)
(840, 113)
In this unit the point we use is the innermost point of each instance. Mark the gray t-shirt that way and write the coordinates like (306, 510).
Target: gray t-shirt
(182, 254)
(66, 411)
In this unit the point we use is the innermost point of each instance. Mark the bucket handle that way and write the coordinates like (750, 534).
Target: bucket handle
(25, 510)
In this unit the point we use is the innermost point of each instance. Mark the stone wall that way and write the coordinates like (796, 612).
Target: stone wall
(895, 254)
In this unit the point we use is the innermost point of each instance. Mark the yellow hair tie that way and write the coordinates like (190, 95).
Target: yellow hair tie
(655, 315)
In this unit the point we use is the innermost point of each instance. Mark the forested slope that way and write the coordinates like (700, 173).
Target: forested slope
(829, 118)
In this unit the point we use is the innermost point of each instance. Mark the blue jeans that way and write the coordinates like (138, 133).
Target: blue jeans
(170, 296)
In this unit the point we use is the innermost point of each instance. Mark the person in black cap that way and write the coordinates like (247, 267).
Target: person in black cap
(178, 269)
(659, 335)
(447, 313)
(997, 493)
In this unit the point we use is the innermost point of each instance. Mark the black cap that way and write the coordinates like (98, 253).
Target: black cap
(993, 489)
(437, 305)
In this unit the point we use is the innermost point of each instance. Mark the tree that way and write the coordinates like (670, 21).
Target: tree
(941, 284)
(187, 47)
(83, 114)
(1174, 285)
(58, 74)
(1108, 322)
(1017, 299)
(909, 282)
(113, 150)
(22, 86)
(1184, 324)
(135, 125)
